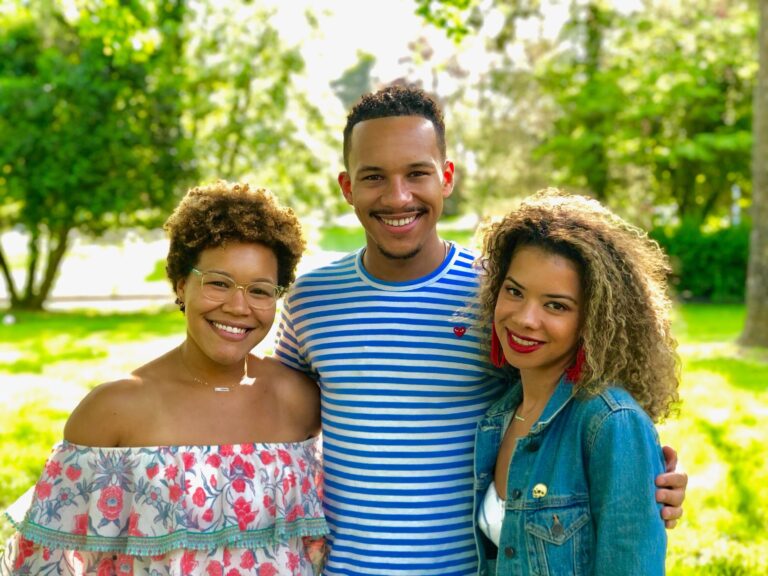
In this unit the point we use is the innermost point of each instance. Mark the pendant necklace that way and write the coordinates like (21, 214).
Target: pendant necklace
(204, 382)
(519, 418)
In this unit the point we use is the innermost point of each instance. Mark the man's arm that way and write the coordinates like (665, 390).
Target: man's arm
(671, 489)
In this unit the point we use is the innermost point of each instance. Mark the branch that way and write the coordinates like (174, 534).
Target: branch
(231, 121)
(711, 199)
(239, 134)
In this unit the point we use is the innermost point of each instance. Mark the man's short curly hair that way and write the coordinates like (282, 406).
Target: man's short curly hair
(223, 213)
(625, 313)
(395, 100)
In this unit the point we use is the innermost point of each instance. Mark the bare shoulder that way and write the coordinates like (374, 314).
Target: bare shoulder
(296, 392)
(289, 381)
(106, 411)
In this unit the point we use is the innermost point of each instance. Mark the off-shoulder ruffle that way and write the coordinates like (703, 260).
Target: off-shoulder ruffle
(151, 500)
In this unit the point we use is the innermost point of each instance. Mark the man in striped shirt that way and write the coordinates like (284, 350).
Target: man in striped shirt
(404, 374)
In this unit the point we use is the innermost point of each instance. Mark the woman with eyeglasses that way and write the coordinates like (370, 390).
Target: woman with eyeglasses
(206, 459)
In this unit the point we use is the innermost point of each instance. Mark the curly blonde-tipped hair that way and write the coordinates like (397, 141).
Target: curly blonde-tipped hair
(223, 213)
(625, 315)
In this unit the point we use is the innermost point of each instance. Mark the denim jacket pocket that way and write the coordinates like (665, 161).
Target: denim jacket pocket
(559, 540)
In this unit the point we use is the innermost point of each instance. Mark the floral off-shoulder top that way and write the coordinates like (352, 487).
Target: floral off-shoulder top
(243, 509)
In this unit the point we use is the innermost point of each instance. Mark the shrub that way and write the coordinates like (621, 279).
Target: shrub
(708, 266)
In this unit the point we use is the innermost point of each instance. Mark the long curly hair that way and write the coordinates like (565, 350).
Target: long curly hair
(223, 213)
(625, 317)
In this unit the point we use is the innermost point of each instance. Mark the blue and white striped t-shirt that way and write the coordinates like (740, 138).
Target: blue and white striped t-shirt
(404, 380)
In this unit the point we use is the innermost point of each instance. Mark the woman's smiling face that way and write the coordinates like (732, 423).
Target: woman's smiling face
(537, 313)
(226, 331)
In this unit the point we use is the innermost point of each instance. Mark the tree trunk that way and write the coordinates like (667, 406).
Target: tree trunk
(597, 176)
(10, 286)
(756, 326)
(57, 247)
(36, 293)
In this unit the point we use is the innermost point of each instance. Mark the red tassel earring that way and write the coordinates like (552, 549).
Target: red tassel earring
(497, 354)
(573, 373)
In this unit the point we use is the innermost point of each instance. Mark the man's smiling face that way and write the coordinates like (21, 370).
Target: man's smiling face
(397, 183)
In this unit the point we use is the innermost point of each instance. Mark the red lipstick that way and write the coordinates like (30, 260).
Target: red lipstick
(530, 345)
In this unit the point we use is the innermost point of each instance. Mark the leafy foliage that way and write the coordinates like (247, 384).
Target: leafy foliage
(247, 113)
(90, 132)
(709, 266)
(109, 110)
(450, 15)
(663, 105)
(646, 108)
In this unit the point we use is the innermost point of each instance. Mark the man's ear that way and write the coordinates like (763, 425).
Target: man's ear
(448, 174)
(345, 183)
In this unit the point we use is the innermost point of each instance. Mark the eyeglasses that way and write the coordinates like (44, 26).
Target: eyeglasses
(220, 288)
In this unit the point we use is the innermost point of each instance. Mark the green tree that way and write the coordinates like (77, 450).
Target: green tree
(89, 128)
(495, 127)
(589, 99)
(756, 326)
(663, 107)
(647, 108)
(109, 109)
(687, 76)
(533, 130)
(247, 113)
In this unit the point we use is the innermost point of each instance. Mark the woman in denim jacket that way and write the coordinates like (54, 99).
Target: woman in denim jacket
(565, 461)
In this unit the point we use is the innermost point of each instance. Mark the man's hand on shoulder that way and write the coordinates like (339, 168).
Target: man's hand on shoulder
(672, 485)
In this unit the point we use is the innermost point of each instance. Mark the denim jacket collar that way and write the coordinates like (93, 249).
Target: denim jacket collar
(564, 392)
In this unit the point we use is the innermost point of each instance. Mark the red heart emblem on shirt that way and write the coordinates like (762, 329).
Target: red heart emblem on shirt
(459, 331)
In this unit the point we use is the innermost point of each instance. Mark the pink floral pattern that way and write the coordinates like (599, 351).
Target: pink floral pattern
(250, 509)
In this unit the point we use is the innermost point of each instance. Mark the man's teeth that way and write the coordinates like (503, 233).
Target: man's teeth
(522, 342)
(398, 221)
(232, 329)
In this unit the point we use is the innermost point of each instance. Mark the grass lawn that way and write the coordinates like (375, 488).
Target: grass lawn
(346, 239)
(723, 442)
(49, 361)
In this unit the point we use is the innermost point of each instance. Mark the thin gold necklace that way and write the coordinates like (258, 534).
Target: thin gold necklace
(205, 382)
(519, 418)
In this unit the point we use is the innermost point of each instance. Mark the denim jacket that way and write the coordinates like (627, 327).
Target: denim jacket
(580, 492)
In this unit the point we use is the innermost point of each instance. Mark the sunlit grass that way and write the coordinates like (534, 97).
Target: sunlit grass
(341, 238)
(158, 272)
(37, 340)
(721, 438)
(27, 434)
(708, 322)
(347, 239)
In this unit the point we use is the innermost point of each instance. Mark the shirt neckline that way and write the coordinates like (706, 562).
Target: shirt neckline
(414, 284)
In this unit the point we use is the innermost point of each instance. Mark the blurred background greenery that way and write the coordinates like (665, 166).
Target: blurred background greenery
(109, 110)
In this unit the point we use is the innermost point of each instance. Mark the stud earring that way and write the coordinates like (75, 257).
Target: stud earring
(180, 303)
